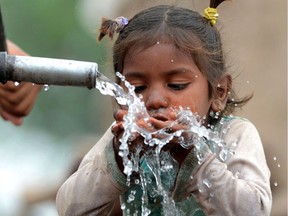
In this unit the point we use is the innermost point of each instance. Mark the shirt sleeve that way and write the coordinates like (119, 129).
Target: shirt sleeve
(93, 188)
(239, 186)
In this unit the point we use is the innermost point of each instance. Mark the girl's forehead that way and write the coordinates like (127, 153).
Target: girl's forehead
(161, 58)
(157, 47)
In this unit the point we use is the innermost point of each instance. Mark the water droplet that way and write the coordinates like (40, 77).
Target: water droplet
(157, 42)
(172, 60)
(237, 175)
(130, 198)
(278, 165)
(274, 158)
(207, 183)
(223, 155)
(46, 87)
(16, 83)
(137, 181)
(275, 184)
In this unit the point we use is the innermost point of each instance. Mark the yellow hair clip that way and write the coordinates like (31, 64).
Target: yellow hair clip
(211, 15)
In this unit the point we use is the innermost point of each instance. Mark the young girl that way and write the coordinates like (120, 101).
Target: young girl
(173, 56)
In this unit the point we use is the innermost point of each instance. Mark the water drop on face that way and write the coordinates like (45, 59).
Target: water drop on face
(172, 60)
(274, 158)
(275, 184)
(16, 83)
(278, 165)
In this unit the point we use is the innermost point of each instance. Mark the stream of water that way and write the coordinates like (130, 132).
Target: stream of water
(195, 134)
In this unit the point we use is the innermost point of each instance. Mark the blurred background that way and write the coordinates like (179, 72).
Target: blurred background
(38, 156)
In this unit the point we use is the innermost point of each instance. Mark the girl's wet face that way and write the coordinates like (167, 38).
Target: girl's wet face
(166, 78)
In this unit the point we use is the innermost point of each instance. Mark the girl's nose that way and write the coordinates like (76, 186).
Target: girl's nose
(156, 100)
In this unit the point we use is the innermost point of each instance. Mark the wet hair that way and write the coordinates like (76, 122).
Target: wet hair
(188, 31)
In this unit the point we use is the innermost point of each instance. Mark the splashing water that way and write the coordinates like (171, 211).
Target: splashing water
(195, 135)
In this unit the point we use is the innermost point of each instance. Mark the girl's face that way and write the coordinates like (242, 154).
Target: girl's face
(166, 78)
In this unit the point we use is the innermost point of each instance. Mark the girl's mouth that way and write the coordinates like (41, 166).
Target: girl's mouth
(160, 116)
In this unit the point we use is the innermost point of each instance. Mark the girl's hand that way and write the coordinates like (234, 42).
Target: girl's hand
(154, 124)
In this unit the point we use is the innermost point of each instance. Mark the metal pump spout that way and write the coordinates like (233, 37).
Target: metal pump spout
(48, 71)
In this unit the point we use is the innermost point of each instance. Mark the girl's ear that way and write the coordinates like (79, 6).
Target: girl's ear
(221, 93)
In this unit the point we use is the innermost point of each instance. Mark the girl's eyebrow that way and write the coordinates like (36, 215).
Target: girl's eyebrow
(136, 74)
(178, 71)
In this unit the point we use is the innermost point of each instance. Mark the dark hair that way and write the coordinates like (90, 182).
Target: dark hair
(189, 31)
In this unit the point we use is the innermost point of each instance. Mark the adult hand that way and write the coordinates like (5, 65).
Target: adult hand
(17, 101)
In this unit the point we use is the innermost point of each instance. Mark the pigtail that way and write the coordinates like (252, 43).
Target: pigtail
(110, 27)
(211, 13)
(215, 3)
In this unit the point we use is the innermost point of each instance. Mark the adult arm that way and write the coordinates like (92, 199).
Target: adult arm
(17, 101)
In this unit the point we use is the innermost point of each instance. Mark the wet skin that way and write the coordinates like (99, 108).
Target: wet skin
(166, 79)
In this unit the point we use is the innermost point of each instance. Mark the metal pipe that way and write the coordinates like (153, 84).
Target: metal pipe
(48, 71)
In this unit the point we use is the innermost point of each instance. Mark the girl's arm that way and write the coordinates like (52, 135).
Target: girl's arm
(240, 187)
(96, 185)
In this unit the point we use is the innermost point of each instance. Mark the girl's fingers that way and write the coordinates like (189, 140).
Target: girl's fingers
(119, 114)
(117, 129)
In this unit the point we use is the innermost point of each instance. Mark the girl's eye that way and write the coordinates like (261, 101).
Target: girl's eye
(178, 86)
(139, 89)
